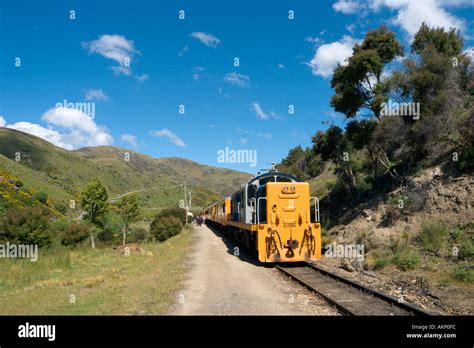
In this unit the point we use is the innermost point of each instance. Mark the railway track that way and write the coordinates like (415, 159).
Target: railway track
(349, 297)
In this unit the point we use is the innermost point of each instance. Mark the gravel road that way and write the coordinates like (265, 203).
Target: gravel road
(221, 283)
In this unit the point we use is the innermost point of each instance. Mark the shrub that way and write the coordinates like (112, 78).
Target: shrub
(173, 212)
(163, 228)
(41, 196)
(466, 252)
(463, 274)
(61, 207)
(30, 225)
(75, 233)
(407, 259)
(378, 259)
(432, 236)
(139, 232)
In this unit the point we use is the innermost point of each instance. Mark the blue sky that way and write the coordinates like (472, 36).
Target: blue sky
(138, 62)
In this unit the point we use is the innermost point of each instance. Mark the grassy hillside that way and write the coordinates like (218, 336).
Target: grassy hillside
(63, 174)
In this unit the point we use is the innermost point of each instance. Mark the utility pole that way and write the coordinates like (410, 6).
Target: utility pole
(185, 199)
(190, 206)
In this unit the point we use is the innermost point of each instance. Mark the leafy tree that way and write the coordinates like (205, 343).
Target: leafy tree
(94, 201)
(129, 212)
(332, 145)
(358, 85)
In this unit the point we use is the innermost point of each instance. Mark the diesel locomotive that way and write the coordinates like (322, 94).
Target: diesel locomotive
(272, 214)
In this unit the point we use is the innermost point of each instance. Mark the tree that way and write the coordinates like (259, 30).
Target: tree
(94, 201)
(358, 84)
(333, 145)
(129, 212)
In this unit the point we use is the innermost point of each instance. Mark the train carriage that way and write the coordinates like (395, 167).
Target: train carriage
(274, 215)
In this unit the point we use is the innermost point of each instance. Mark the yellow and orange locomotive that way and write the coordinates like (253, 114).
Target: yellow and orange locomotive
(272, 214)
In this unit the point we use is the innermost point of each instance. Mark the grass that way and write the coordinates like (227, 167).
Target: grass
(407, 259)
(103, 281)
(378, 259)
(432, 236)
(463, 274)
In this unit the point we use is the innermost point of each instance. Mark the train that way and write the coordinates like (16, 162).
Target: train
(273, 215)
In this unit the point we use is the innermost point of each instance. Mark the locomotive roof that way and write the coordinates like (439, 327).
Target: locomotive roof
(273, 173)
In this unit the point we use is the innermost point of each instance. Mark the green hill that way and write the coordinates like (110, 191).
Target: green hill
(63, 174)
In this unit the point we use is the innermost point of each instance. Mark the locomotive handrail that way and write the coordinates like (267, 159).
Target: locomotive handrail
(258, 208)
(253, 206)
(316, 208)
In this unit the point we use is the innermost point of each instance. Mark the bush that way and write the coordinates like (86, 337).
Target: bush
(61, 207)
(173, 212)
(30, 225)
(432, 236)
(407, 259)
(466, 252)
(163, 228)
(139, 233)
(75, 233)
(41, 196)
(378, 259)
(463, 274)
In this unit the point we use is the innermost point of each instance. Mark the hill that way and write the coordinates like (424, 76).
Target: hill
(62, 174)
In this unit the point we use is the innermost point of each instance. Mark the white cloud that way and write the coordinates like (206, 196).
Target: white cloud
(142, 78)
(183, 51)
(261, 114)
(243, 141)
(52, 136)
(312, 39)
(410, 14)
(131, 139)
(267, 136)
(413, 13)
(198, 72)
(346, 6)
(207, 39)
(116, 48)
(327, 56)
(237, 79)
(2, 122)
(259, 111)
(170, 135)
(281, 66)
(95, 94)
(67, 128)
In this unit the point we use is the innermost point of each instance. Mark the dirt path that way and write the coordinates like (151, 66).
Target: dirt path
(218, 282)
